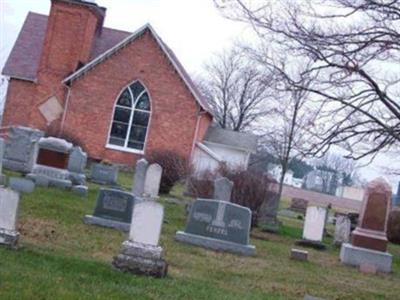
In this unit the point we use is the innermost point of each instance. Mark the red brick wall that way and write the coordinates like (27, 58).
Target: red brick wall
(174, 109)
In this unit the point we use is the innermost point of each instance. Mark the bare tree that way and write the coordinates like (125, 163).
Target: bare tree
(354, 47)
(236, 89)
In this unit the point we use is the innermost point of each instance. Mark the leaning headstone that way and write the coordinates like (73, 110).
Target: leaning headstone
(152, 181)
(113, 209)
(268, 214)
(104, 174)
(369, 241)
(220, 226)
(342, 230)
(223, 189)
(77, 160)
(21, 185)
(313, 230)
(2, 176)
(141, 254)
(9, 201)
(139, 177)
(21, 149)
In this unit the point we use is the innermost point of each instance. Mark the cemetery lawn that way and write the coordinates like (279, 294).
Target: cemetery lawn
(62, 258)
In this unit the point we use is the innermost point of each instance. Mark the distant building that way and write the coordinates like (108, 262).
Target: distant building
(276, 170)
(350, 192)
(322, 181)
(223, 146)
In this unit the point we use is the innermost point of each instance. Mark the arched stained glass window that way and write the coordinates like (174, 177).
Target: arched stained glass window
(131, 118)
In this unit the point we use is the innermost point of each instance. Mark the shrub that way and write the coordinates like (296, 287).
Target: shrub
(250, 188)
(175, 168)
(393, 226)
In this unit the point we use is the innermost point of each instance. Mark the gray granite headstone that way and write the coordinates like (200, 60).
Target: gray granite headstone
(223, 189)
(77, 160)
(21, 185)
(152, 181)
(218, 225)
(113, 209)
(104, 174)
(267, 217)
(342, 230)
(21, 149)
(9, 202)
(139, 177)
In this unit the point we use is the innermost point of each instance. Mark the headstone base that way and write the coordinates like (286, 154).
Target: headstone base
(356, 256)
(298, 254)
(215, 244)
(9, 238)
(43, 180)
(80, 190)
(312, 244)
(141, 259)
(92, 220)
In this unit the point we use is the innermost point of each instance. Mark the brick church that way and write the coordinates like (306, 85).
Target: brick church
(119, 94)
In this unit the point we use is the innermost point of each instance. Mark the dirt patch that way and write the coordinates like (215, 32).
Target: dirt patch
(39, 229)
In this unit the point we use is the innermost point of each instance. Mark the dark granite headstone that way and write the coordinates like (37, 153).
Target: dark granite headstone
(104, 174)
(218, 225)
(113, 209)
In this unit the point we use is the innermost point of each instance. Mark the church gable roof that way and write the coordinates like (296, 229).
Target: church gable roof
(23, 61)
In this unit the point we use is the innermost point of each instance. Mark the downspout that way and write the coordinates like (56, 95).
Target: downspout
(65, 109)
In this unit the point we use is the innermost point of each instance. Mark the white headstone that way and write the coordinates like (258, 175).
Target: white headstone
(146, 223)
(342, 229)
(9, 201)
(140, 177)
(314, 224)
(152, 181)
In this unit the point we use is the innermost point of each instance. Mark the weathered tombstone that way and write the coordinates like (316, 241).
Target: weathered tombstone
(21, 185)
(223, 189)
(298, 254)
(113, 209)
(141, 254)
(2, 176)
(313, 230)
(80, 190)
(77, 160)
(342, 230)
(369, 241)
(21, 149)
(152, 181)
(218, 225)
(104, 174)
(9, 201)
(268, 214)
(299, 205)
(139, 177)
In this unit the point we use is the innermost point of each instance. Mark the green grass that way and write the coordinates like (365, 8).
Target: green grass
(62, 258)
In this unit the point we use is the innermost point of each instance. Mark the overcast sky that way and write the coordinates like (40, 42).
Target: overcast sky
(194, 29)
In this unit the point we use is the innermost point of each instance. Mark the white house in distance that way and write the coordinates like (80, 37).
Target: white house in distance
(350, 192)
(276, 170)
(223, 146)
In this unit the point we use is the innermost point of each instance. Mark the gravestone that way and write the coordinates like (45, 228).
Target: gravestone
(268, 214)
(342, 230)
(104, 174)
(113, 209)
(299, 205)
(141, 254)
(298, 254)
(218, 225)
(369, 240)
(9, 201)
(2, 176)
(21, 149)
(223, 189)
(139, 177)
(21, 185)
(313, 230)
(152, 181)
(77, 160)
